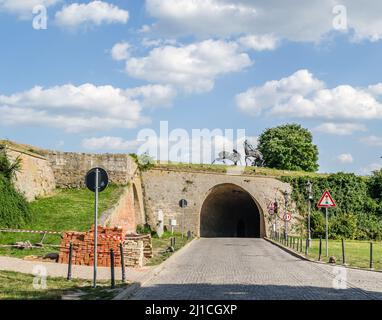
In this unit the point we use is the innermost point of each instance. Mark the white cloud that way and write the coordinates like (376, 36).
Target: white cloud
(370, 168)
(372, 141)
(120, 51)
(193, 67)
(92, 13)
(345, 158)
(153, 95)
(341, 129)
(258, 43)
(24, 8)
(109, 143)
(273, 93)
(81, 108)
(291, 19)
(301, 95)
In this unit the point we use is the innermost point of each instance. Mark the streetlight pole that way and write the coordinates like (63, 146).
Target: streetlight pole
(310, 198)
(286, 198)
(275, 210)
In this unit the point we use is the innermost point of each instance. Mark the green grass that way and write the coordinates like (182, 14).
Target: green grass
(66, 210)
(18, 286)
(357, 253)
(161, 244)
(221, 168)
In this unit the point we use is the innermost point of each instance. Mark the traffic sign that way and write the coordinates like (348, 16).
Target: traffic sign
(103, 179)
(326, 201)
(271, 208)
(287, 217)
(183, 203)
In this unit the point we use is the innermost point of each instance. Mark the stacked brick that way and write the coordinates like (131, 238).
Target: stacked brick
(83, 246)
(133, 253)
(147, 243)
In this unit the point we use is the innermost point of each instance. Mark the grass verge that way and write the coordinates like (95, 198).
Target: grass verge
(160, 246)
(19, 286)
(357, 252)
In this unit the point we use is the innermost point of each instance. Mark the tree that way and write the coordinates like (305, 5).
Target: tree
(375, 185)
(289, 147)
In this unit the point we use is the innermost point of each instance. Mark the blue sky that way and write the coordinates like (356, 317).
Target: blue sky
(104, 70)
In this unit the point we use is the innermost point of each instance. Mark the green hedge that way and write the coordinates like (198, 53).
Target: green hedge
(359, 207)
(14, 209)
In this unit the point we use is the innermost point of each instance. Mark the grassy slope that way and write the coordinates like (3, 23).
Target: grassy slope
(67, 210)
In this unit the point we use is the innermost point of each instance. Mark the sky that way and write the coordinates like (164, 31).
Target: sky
(104, 76)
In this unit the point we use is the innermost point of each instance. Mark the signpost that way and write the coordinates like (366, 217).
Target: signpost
(96, 180)
(183, 204)
(326, 202)
(271, 211)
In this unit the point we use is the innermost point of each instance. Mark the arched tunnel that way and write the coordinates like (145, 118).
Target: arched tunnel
(229, 211)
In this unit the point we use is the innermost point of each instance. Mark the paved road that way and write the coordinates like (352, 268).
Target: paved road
(61, 270)
(232, 268)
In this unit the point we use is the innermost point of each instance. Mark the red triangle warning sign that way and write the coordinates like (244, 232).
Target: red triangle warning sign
(326, 201)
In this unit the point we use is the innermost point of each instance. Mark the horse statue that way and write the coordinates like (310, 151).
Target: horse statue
(254, 155)
(234, 157)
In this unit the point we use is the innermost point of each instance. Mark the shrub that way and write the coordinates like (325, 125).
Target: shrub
(14, 209)
(343, 226)
(144, 229)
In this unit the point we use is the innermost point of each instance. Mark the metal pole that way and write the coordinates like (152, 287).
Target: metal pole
(95, 229)
(327, 232)
(343, 252)
(371, 256)
(309, 235)
(122, 262)
(320, 249)
(112, 268)
(70, 261)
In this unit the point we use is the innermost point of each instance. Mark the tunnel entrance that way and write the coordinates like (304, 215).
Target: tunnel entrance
(229, 211)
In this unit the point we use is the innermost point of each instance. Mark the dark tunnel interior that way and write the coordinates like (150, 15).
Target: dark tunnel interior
(229, 211)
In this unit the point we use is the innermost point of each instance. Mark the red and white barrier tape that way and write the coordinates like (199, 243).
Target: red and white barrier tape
(29, 231)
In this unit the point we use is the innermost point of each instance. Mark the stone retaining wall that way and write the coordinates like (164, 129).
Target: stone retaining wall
(70, 168)
(36, 177)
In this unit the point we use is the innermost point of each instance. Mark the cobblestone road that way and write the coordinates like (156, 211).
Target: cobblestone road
(232, 268)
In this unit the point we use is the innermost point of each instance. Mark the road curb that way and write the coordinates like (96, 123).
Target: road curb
(290, 251)
(303, 257)
(134, 287)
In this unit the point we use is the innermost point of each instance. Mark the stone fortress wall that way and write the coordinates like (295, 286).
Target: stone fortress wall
(165, 188)
(36, 177)
(146, 192)
(42, 171)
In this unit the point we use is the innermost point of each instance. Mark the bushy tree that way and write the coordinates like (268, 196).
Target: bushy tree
(375, 185)
(289, 147)
(317, 224)
(343, 226)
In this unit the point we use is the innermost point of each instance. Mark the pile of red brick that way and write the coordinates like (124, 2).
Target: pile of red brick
(83, 247)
